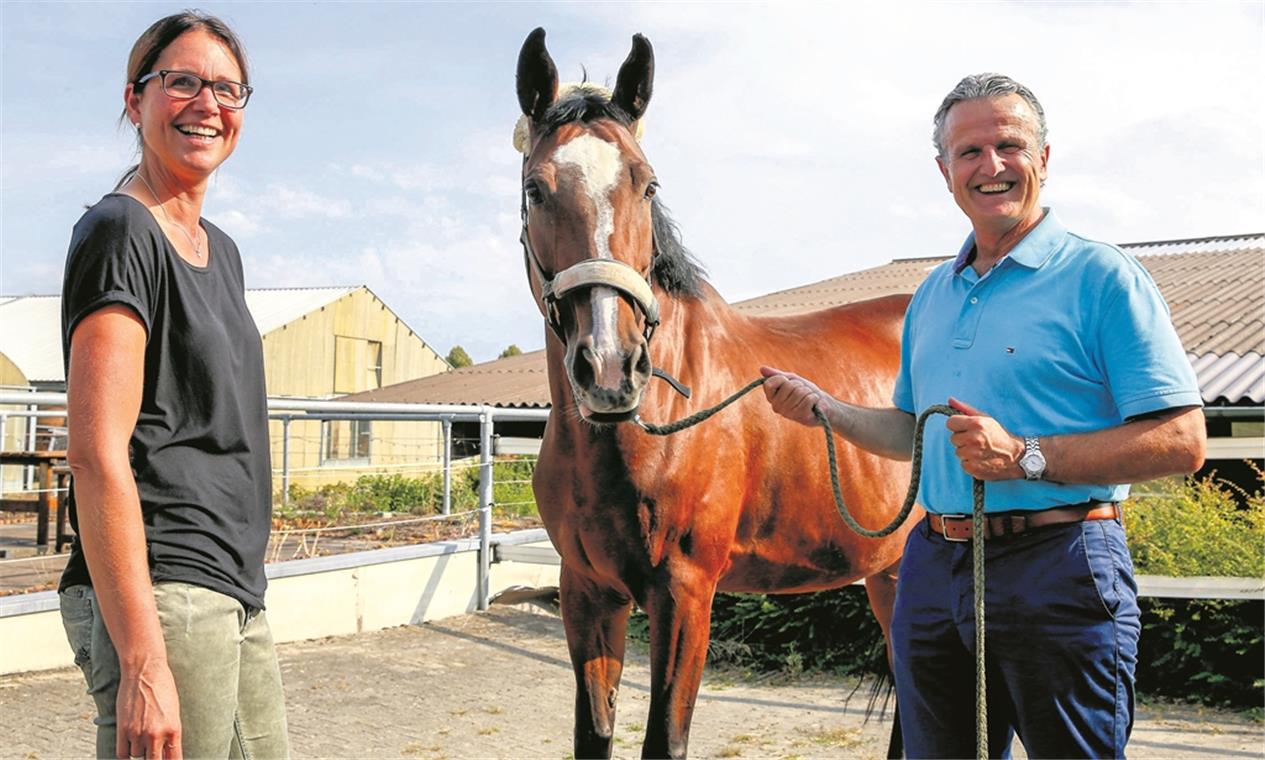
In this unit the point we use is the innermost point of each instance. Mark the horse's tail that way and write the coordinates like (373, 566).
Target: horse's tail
(882, 692)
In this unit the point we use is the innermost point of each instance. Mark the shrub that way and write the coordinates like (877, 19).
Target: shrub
(831, 631)
(396, 493)
(1210, 650)
(422, 495)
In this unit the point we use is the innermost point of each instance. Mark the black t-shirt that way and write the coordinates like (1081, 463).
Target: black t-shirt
(199, 451)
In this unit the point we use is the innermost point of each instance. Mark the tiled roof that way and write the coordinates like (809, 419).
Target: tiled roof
(517, 381)
(1215, 288)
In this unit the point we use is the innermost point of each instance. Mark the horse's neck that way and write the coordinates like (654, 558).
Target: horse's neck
(697, 336)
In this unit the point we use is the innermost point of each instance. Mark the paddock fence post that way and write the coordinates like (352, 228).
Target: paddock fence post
(448, 465)
(285, 461)
(485, 504)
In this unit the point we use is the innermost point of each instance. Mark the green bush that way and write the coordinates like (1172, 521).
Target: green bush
(1210, 650)
(423, 495)
(1196, 527)
(829, 631)
(511, 486)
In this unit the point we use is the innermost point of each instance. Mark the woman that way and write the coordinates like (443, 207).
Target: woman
(163, 595)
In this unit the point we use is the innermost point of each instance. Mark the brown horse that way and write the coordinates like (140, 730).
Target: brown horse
(739, 503)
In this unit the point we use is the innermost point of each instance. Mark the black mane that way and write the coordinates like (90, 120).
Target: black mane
(675, 268)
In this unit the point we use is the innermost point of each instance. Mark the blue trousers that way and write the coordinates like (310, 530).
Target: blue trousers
(1061, 642)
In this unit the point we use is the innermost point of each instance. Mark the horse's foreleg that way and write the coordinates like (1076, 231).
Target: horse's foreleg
(595, 620)
(680, 626)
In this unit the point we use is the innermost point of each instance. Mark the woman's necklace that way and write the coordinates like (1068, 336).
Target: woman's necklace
(197, 247)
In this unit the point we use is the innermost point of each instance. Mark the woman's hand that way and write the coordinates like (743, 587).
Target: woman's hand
(148, 713)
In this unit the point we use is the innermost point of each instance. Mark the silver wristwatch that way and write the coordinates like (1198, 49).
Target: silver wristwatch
(1033, 461)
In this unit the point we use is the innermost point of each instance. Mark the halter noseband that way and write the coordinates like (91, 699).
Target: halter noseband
(608, 273)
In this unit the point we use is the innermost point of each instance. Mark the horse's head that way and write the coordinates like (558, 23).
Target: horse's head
(588, 233)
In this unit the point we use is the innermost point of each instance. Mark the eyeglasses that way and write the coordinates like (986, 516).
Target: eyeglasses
(181, 85)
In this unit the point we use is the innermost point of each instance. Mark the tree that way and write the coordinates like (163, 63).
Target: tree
(458, 357)
(512, 350)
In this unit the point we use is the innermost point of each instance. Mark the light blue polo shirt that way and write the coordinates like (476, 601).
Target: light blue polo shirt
(1063, 335)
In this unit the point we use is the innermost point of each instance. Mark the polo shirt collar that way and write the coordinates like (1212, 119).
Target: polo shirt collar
(1033, 251)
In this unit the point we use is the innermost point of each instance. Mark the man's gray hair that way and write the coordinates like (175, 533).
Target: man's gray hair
(988, 85)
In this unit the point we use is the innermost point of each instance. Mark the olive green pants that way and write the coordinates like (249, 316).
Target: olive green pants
(221, 656)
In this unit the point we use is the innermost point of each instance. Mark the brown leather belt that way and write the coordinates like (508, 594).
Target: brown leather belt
(960, 528)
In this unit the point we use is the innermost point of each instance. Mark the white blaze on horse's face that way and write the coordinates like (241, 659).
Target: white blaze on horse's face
(598, 165)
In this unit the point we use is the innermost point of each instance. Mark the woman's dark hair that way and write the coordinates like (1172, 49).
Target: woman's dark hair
(150, 45)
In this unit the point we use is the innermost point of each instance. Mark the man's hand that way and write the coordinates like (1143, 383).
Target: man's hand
(986, 450)
(793, 397)
(148, 714)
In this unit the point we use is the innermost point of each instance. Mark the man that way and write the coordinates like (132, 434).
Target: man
(1060, 354)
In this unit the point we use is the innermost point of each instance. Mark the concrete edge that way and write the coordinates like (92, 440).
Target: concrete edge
(43, 601)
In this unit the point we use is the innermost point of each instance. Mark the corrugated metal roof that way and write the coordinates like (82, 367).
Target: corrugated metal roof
(1231, 377)
(30, 335)
(30, 326)
(274, 307)
(1215, 288)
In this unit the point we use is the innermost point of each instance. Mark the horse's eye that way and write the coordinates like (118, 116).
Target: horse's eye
(532, 191)
(651, 189)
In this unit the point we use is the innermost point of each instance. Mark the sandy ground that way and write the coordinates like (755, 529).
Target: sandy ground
(498, 685)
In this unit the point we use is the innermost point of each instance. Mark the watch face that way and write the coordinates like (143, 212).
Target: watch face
(1032, 463)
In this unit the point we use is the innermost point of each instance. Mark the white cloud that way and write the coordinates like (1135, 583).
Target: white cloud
(299, 203)
(238, 224)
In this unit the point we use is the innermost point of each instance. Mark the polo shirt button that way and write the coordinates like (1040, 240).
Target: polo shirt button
(974, 300)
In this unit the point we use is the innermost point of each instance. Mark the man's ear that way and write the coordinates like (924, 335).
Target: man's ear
(944, 172)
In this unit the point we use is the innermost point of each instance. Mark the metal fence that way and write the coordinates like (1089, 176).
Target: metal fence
(477, 450)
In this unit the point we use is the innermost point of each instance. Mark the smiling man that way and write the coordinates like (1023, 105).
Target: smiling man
(1072, 383)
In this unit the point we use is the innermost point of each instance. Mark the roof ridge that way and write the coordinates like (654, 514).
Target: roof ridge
(1189, 241)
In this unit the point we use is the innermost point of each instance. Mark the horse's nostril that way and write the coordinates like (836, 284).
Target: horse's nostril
(639, 361)
(582, 367)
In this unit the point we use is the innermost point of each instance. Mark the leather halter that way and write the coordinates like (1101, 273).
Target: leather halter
(608, 273)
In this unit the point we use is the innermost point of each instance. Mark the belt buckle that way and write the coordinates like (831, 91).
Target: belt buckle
(959, 539)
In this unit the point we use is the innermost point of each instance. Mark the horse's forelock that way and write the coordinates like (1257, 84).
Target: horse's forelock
(582, 102)
(675, 268)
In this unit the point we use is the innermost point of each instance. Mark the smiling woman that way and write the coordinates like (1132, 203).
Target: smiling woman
(163, 594)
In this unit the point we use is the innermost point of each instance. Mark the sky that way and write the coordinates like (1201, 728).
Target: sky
(791, 140)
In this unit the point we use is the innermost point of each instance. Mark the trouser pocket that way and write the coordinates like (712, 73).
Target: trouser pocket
(77, 617)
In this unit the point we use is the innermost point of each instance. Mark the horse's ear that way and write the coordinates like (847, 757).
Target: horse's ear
(537, 78)
(636, 79)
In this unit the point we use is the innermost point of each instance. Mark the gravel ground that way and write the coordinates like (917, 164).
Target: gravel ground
(498, 685)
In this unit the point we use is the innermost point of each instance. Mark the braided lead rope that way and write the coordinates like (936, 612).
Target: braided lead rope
(977, 578)
(688, 422)
(911, 495)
